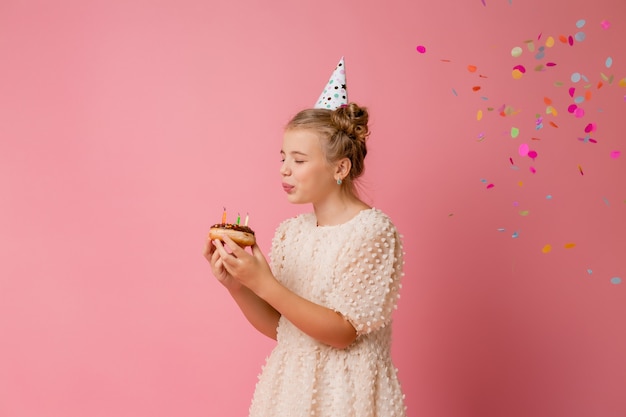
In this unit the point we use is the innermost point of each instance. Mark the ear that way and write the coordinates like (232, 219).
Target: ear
(342, 168)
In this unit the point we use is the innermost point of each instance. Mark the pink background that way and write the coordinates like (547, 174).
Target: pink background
(126, 126)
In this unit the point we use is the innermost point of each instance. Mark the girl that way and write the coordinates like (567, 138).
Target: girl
(328, 293)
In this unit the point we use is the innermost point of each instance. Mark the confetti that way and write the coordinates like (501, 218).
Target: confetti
(575, 77)
(616, 280)
(622, 82)
(549, 41)
(580, 36)
(549, 197)
(591, 127)
(532, 154)
(471, 68)
(579, 112)
(421, 49)
(515, 235)
(514, 132)
(569, 245)
(605, 24)
(516, 52)
(454, 92)
(523, 149)
(615, 154)
(532, 169)
(524, 213)
(547, 248)
(589, 271)
(479, 115)
(580, 23)
(490, 186)
(609, 62)
(581, 170)
(606, 201)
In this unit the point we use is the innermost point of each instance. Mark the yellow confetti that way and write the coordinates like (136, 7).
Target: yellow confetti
(622, 82)
(547, 248)
(551, 110)
(520, 183)
(479, 115)
(549, 41)
(569, 245)
(517, 74)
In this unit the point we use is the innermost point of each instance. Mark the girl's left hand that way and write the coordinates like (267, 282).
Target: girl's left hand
(250, 269)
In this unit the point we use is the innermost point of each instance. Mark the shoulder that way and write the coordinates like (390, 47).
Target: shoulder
(376, 220)
(295, 222)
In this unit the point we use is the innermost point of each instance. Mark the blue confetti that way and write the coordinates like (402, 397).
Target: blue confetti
(616, 280)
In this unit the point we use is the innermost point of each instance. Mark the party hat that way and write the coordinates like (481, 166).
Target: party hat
(335, 93)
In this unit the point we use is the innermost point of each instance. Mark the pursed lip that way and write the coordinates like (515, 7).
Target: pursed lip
(287, 187)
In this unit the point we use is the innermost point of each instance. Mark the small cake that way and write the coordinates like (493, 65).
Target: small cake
(241, 235)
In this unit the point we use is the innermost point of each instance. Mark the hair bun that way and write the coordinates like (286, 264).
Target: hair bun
(352, 120)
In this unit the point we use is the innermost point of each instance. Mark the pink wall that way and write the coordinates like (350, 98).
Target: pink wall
(119, 125)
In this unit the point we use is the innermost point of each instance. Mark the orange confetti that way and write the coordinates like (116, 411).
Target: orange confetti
(600, 85)
(476, 88)
(547, 248)
(563, 38)
(536, 138)
(553, 124)
(588, 95)
(569, 245)
(581, 170)
(547, 100)
(471, 68)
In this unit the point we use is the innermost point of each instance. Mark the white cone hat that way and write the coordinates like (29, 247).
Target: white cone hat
(335, 93)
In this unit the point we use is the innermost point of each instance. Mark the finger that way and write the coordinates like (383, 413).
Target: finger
(236, 250)
(208, 250)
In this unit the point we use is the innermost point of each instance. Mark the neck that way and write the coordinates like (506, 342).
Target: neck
(338, 210)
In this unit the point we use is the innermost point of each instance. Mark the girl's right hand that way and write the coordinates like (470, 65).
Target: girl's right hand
(217, 267)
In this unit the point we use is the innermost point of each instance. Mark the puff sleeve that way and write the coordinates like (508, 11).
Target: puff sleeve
(367, 279)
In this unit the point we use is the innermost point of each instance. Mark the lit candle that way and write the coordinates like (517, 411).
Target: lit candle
(246, 222)
(238, 218)
(224, 216)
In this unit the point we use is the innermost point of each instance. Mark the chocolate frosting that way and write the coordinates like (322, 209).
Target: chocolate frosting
(232, 226)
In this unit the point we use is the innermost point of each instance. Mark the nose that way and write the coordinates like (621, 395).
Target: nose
(284, 169)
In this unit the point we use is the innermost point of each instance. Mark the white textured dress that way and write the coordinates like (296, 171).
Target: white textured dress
(355, 269)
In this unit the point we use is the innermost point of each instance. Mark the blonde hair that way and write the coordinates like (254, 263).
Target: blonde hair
(343, 133)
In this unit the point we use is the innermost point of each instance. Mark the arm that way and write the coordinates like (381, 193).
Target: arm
(321, 323)
(259, 313)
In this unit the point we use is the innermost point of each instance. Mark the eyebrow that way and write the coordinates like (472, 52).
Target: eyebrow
(293, 153)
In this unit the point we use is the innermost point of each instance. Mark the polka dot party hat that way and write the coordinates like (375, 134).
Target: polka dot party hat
(335, 93)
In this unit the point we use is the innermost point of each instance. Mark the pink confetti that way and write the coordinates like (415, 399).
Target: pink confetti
(591, 127)
(550, 64)
(605, 24)
(421, 49)
(571, 91)
(579, 112)
(523, 149)
(533, 170)
(520, 68)
(615, 154)
(570, 40)
(572, 108)
(532, 154)
(490, 186)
